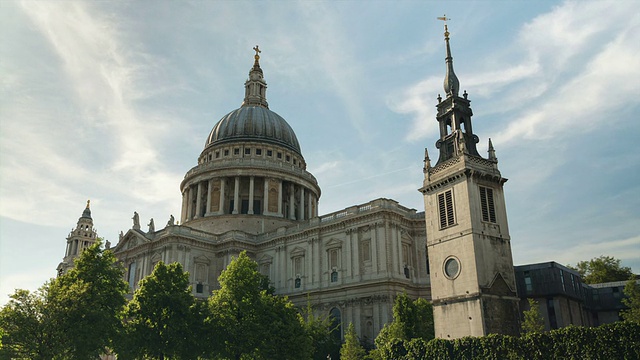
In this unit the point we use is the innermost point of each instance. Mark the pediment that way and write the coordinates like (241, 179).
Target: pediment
(265, 259)
(130, 240)
(297, 251)
(202, 259)
(333, 243)
(499, 287)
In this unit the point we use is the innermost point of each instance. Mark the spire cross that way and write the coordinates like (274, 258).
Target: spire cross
(445, 18)
(257, 50)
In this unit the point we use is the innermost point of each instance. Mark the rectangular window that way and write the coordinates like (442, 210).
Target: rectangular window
(366, 250)
(132, 275)
(333, 258)
(297, 265)
(269, 153)
(258, 151)
(247, 151)
(226, 152)
(279, 155)
(527, 282)
(288, 158)
(236, 151)
(488, 206)
(445, 209)
(217, 154)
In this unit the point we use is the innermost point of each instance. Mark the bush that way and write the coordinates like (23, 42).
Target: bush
(619, 340)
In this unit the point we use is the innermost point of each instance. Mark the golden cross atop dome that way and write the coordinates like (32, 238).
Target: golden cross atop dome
(257, 50)
(88, 201)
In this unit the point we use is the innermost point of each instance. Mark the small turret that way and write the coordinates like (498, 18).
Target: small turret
(80, 238)
(256, 86)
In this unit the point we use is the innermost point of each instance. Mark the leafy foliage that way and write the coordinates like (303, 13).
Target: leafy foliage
(351, 349)
(87, 302)
(160, 320)
(602, 269)
(619, 340)
(250, 321)
(26, 327)
(411, 320)
(632, 300)
(75, 316)
(533, 321)
(319, 329)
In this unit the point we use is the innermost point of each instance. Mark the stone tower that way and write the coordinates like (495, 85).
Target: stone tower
(80, 238)
(472, 279)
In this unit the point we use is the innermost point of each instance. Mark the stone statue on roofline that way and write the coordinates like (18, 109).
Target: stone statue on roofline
(136, 220)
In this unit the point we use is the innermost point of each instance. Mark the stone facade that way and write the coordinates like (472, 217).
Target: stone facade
(250, 191)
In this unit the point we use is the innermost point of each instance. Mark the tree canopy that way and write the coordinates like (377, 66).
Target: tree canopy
(75, 316)
(250, 321)
(533, 321)
(160, 321)
(351, 349)
(632, 300)
(411, 320)
(602, 269)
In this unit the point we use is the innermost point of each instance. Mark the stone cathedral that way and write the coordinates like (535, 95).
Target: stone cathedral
(251, 191)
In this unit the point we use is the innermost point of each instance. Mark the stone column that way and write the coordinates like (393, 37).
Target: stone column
(349, 252)
(251, 184)
(310, 201)
(374, 249)
(356, 253)
(265, 197)
(280, 199)
(209, 185)
(183, 215)
(189, 202)
(223, 182)
(301, 208)
(236, 195)
(292, 199)
(198, 201)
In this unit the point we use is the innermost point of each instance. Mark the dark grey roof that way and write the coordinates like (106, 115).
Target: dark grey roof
(253, 123)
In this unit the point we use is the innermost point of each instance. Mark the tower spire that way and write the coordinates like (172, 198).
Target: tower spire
(451, 83)
(255, 87)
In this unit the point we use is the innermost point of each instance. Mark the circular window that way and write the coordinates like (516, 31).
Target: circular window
(451, 267)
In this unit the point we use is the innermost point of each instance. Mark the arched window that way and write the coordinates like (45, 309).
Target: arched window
(336, 324)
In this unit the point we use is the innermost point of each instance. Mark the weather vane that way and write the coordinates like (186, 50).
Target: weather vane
(445, 18)
(257, 50)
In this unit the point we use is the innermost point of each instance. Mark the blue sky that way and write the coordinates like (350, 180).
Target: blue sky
(113, 101)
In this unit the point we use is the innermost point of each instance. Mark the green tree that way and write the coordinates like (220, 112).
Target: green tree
(602, 269)
(533, 321)
(249, 321)
(160, 320)
(632, 300)
(87, 302)
(351, 349)
(411, 320)
(319, 329)
(26, 327)
(75, 316)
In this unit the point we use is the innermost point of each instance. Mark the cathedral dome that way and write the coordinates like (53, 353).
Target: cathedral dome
(253, 123)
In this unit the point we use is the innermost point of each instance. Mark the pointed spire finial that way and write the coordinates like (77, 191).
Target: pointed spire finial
(451, 83)
(87, 211)
(427, 161)
(492, 151)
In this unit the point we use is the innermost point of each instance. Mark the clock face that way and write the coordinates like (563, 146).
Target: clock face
(451, 267)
